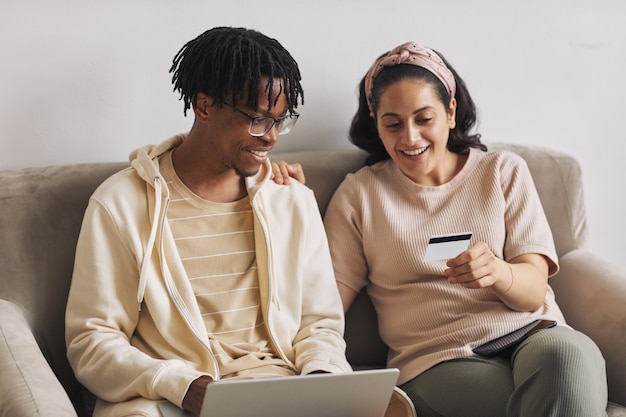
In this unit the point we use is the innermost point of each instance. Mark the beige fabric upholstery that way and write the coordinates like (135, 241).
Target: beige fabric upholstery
(40, 216)
(41, 211)
(28, 387)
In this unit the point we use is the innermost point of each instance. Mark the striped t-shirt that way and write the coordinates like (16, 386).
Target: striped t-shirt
(215, 242)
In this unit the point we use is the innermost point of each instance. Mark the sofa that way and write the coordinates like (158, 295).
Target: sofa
(41, 210)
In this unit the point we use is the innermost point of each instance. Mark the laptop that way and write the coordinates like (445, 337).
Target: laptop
(358, 394)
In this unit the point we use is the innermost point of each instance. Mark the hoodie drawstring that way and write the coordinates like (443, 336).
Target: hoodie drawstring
(143, 276)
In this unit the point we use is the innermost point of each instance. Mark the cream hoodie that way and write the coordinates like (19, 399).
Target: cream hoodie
(134, 331)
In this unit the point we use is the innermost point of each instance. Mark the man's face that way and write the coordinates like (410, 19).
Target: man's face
(232, 146)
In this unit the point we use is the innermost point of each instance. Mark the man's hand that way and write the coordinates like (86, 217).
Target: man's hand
(195, 395)
(281, 171)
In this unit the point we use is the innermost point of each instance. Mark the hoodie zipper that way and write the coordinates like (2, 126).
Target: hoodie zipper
(270, 273)
(143, 274)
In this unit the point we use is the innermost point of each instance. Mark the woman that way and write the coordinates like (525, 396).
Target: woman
(429, 176)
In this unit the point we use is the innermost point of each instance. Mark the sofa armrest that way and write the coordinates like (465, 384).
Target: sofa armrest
(591, 291)
(28, 387)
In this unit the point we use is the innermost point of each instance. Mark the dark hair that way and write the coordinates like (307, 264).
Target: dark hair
(363, 130)
(227, 64)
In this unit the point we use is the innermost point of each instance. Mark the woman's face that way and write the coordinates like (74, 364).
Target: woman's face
(414, 126)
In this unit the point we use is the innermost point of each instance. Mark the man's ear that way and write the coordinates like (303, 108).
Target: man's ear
(203, 106)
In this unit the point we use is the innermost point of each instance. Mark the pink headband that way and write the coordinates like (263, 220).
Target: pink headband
(414, 54)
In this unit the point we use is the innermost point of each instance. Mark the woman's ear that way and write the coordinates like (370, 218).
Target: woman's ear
(452, 114)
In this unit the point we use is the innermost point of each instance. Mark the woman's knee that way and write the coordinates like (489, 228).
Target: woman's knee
(562, 366)
(560, 348)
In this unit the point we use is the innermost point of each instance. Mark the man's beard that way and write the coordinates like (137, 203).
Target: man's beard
(243, 173)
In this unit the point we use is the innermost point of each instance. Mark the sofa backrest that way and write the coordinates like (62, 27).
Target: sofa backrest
(557, 177)
(559, 182)
(41, 212)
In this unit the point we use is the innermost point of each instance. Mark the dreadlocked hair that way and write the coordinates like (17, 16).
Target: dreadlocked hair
(228, 63)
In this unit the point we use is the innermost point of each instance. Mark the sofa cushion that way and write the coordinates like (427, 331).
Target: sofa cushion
(28, 386)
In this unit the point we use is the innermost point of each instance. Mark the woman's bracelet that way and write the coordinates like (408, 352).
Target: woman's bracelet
(512, 279)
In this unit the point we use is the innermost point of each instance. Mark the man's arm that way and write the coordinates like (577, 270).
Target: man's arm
(102, 315)
(319, 344)
(195, 394)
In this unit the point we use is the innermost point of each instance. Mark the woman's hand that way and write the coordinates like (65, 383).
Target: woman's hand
(521, 283)
(282, 171)
(477, 267)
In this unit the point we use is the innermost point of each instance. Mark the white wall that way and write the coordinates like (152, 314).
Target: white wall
(84, 80)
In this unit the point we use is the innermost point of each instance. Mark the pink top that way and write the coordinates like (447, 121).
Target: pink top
(378, 225)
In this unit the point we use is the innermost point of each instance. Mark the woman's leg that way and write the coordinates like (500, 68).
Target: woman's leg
(554, 372)
(558, 372)
(468, 387)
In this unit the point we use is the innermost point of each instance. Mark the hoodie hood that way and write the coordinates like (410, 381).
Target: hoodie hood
(145, 161)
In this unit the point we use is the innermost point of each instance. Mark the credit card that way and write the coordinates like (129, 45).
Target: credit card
(448, 246)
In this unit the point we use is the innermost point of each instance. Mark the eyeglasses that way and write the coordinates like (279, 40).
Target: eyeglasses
(260, 125)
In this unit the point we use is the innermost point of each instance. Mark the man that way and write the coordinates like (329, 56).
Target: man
(192, 266)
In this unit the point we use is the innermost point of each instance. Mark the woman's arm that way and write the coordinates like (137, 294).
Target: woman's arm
(521, 283)
(347, 295)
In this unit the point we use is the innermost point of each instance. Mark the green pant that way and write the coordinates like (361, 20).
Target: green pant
(554, 372)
